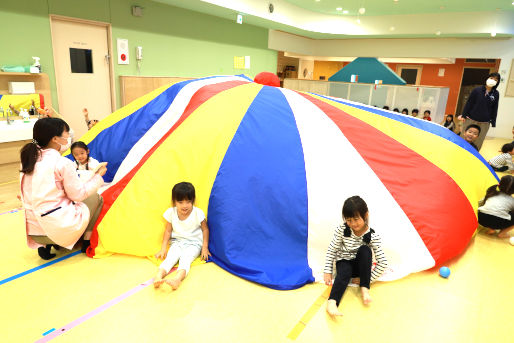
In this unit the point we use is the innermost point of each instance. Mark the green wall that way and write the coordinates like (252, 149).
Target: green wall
(175, 41)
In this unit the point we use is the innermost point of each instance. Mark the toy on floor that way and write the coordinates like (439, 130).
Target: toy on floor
(444, 272)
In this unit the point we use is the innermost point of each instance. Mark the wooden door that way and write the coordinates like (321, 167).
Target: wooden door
(83, 71)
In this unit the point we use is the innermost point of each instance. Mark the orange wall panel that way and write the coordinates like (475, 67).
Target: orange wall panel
(452, 78)
(326, 68)
(429, 75)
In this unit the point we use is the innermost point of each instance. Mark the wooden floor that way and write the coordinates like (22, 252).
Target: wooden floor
(107, 300)
(9, 186)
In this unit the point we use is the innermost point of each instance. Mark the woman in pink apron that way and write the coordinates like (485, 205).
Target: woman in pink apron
(59, 208)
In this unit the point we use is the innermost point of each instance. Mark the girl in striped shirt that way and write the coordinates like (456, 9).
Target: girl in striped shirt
(352, 248)
(503, 162)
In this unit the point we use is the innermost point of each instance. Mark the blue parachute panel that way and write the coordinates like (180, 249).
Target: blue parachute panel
(258, 209)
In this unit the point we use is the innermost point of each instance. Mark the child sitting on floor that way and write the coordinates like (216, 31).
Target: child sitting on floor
(351, 249)
(496, 212)
(503, 162)
(187, 227)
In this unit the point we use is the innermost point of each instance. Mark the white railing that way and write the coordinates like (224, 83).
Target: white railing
(420, 97)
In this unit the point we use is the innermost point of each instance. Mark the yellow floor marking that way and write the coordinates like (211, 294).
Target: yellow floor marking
(302, 323)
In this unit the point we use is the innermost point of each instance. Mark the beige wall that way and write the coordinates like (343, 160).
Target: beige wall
(501, 48)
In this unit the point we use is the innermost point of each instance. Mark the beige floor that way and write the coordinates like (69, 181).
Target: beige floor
(475, 304)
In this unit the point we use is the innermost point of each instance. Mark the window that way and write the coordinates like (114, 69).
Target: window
(81, 60)
(410, 73)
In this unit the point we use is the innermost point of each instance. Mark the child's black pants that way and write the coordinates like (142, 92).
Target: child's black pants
(347, 269)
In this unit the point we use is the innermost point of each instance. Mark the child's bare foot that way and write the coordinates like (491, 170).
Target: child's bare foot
(157, 282)
(158, 279)
(503, 235)
(173, 282)
(366, 298)
(332, 308)
(490, 231)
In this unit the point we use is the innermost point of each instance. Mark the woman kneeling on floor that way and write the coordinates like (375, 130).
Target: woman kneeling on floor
(59, 208)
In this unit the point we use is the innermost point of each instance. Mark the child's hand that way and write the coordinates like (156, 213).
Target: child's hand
(161, 254)
(205, 253)
(101, 169)
(85, 112)
(355, 280)
(327, 278)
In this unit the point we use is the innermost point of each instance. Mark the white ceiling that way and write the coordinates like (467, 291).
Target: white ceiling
(485, 22)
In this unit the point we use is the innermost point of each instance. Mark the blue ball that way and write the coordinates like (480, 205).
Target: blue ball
(444, 272)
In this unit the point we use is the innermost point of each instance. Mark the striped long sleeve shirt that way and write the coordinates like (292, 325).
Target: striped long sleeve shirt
(502, 160)
(346, 248)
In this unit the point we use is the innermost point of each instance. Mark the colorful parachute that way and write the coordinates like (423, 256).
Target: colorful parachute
(272, 168)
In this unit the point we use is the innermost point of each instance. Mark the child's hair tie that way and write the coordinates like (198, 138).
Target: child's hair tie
(34, 142)
(347, 231)
(367, 237)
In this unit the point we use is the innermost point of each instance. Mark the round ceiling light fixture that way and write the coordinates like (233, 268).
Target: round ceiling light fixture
(362, 10)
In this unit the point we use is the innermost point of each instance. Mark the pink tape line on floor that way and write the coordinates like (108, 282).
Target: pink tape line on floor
(96, 311)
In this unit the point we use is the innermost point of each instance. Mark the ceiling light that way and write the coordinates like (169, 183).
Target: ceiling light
(362, 10)
(345, 12)
(438, 33)
(493, 34)
(392, 28)
(358, 21)
(339, 9)
(395, 0)
(317, 0)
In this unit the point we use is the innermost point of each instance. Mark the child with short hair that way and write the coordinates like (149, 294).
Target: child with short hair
(352, 248)
(85, 163)
(471, 134)
(496, 212)
(415, 112)
(426, 115)
(405, 111)
(187, 227)
(503, 162)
